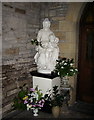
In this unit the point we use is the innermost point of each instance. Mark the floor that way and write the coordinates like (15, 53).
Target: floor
(65, 114)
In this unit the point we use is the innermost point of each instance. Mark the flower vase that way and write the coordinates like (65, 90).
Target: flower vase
(35, 111)
(56, 111)
(65, 81)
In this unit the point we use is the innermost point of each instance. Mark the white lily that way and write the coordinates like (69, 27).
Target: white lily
(71, 69)
(65, 63)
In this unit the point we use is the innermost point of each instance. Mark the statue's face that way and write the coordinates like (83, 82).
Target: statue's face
(46, 24)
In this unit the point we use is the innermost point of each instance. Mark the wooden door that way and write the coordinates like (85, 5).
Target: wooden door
(85, 83)
(86, 66)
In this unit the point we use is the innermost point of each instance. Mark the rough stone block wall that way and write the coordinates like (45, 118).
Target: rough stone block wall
(0, 60)
(62, 26)
(20, 23)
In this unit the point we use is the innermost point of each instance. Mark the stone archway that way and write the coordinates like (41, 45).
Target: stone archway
(73, 17)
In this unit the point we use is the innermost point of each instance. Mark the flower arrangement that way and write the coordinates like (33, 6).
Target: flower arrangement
(34, 99)
(35, 42)
(65, 67)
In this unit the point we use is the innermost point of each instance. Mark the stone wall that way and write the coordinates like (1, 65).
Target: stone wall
(0, 60)
(20, 23)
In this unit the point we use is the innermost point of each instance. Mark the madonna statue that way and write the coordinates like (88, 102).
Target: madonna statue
(48, 51)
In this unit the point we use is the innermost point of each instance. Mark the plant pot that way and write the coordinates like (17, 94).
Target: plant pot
(56, 111)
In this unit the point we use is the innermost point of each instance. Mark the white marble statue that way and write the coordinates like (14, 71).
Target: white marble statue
(47, 54)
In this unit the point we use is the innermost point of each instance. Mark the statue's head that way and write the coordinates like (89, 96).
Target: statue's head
(46, 23)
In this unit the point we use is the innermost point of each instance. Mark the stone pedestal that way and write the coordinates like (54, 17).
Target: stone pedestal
(45, 81)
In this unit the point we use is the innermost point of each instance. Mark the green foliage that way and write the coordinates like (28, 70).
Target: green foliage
(65, 67)
(38, 91)
(21, 94)
(57, 99)
(54, 98)
(18, 102)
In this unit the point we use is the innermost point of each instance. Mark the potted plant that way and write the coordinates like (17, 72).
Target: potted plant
(64, 68)
(55, 100)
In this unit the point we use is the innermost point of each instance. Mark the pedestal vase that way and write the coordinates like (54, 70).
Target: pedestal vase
(35, 111)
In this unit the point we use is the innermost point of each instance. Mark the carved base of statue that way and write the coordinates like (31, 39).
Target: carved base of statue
(44, 71)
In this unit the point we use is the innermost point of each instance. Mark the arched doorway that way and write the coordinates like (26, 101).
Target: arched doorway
(85, 82)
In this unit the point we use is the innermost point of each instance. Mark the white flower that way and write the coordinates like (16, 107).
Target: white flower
(32, 94)
(58, 73)
(65, 63)
(47, 92)
(71, 69)
(31, 99)
(28, 106)
(71, 64)
(76, 70)
(62, 67)
(36, 96)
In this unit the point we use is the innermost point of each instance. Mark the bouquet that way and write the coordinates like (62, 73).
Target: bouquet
(34, 99)
(65, 67)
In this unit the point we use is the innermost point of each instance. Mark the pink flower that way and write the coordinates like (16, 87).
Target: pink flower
(33, 105)
(25, 101)
(42, 100)
(32, 89)
(39, 105)
(42, 104)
